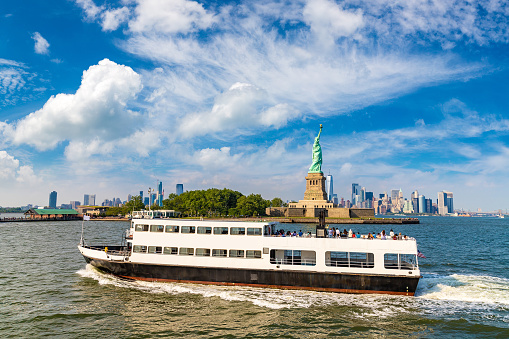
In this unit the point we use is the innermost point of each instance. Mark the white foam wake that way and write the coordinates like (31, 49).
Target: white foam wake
(465, 288)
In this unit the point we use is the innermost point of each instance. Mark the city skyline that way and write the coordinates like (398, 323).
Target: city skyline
(111, 97)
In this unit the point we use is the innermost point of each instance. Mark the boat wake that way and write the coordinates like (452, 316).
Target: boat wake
(465, 288)
(445, 295)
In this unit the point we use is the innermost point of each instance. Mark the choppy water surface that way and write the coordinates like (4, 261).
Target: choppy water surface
(46, 289)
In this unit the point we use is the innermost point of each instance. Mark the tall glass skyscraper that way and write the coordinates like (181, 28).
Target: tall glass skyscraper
(180, 189)
(330, 188)
(356, 191)
(53, 200)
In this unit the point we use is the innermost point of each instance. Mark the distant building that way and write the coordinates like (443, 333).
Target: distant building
(180, 189)
(146, 201)
(356, 191)
(53, 200)
(89, 200)
(160, 194)
(66, 206)
(141, 195)
(330, 189)
(445, 203)
(129, 197)
(422, 204)
(75, 204)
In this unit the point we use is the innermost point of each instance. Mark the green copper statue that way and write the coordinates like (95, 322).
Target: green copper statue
(316, 166)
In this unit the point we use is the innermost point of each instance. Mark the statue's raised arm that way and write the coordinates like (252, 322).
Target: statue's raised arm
(316, 165)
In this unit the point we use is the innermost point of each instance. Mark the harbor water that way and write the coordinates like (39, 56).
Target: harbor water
(47, 290)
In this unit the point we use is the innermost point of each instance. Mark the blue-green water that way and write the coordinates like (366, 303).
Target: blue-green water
(46, 289)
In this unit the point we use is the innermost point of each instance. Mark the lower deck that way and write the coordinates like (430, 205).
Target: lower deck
(307, 280)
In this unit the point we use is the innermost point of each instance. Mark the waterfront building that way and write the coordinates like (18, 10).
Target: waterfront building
(415, 201)
(330, 189)
(146, 201)
(141, 196)
(75, 204)
(53, 199)
(429, 205)
(179, 189)
(335, 200)
(408, 207)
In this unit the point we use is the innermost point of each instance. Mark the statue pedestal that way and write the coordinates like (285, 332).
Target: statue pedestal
(315, 187)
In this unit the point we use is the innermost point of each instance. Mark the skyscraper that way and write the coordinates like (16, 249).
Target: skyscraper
(445, 203)
(89, 200)
(356, 191)
(53, 200)
(141, 196)
(422, 204)
(160, 194)
(330, 189)
(180, 189)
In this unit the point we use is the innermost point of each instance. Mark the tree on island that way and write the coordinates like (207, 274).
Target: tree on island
(214, 202)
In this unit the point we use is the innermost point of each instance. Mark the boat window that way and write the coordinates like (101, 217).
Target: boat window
(203, 252)
(254, 231)
(396, 261)
(139, 249)
(187, 229)
(293, 257)
(350, 259)
(172, 229)
(391, 261)
(204, 230)
(141, 228)
(253, 254)
(155, 249)
(219, 253)
(238, 230)
(186, 250)
(171, 250)
(337, 259)
(236, 253)
(220, 230)
(156, 228)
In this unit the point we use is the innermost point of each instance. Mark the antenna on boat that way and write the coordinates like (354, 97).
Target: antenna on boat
(85, 218)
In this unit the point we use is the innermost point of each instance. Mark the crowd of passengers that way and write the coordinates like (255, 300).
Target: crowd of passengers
(336, 233)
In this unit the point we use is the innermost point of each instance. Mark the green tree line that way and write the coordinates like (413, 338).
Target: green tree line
(212, 202)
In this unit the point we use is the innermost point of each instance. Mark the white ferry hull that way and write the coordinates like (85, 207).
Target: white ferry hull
(305, 280)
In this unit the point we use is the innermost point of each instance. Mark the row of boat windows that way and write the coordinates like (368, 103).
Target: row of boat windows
(199, 229)
(343, 259)
(202, 252)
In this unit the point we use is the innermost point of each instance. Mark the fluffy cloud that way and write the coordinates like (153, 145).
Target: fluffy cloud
(329, 21)
(112, 19)
(177, 16)
(97, 110)
(10, 169)
(41, 44)
(241, 106)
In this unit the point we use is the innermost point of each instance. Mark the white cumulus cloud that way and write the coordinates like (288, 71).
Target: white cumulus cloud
(176, 16)
(97, 110)
(41, 44)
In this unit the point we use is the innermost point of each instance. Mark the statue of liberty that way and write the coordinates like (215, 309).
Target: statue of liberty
(316, 165)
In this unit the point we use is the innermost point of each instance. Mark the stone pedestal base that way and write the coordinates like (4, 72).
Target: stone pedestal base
(315, 187)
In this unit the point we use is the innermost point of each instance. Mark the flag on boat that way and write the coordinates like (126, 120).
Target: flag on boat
(420, 255)
(86, 218)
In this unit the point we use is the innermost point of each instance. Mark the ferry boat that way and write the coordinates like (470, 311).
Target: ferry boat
(249, 254)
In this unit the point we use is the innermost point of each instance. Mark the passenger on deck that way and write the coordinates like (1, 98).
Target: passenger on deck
(288, 234)
(330, 232)
(400, 237)
(337, 233)
(358, 235)
(391, 233)
(350, 233)
(383, 237)
(370, 236)
(294, 234)
(300, 233)
(309, 235)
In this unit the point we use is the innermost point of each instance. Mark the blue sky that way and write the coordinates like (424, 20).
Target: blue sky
(107, 97)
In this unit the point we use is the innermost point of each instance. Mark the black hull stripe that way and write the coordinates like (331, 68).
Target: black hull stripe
(315, 281)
